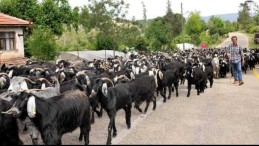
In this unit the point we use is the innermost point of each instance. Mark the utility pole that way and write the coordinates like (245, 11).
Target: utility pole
(182, 26)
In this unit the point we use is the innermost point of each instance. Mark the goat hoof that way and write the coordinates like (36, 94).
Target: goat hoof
(108, 143)
(80, 138)
(25, 128)
(128, 126)
(35, 141)
(164, 100)
(92, 121)
(140, 110)
(114, 134)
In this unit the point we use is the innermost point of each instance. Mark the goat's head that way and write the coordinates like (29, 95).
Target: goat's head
(101, 86)
(189, 72)
(20, 104)
(4, 81)
(18, 84)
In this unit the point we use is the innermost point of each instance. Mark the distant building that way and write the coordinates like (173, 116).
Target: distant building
(11, 37)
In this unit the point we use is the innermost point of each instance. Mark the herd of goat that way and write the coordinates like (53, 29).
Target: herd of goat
(58, 97)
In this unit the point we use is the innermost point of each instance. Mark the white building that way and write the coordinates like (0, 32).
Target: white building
(11, 38)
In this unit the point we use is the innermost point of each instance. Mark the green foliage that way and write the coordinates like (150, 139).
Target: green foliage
(175, 20)
(194, 26)
(253, 29)
(24, 9)
(182, 38)
(216, 26)
(74, 40)
(158, 33)
(42, 44)
(48, 13)
(54, 14)
(141, 44)
(205, 37)
(129, 34)
(244, 18)
(106, 17)
(105, 42)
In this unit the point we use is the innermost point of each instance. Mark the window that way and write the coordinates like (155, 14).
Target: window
(7, 40)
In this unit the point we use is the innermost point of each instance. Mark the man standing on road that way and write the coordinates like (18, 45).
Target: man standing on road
(235, 54)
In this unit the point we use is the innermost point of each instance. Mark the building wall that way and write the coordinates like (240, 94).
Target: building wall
(19, 45)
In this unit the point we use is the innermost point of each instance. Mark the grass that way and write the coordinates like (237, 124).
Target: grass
(251, 40)
(220, 40)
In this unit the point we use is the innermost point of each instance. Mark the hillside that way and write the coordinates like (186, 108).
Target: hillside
(232, 17)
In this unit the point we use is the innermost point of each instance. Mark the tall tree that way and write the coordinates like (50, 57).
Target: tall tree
(194, 26)
(47, 13)
(158, 33)
(244, 18)
(106, 17)
(216, 26)
(174, 20)
(144, 14)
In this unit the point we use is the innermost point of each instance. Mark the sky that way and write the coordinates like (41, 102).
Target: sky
(157, 8)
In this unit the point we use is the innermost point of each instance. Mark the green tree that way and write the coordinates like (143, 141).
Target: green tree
(24, 9)
(159, 33)
(141, 44)
(54, 14)
(216, 26)
(42, 44)
(174, 19)
(144, 15)
(194, 26)
(244, 18)
(107, 17)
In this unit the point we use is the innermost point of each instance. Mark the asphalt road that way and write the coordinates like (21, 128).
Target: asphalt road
(242, 40)
(224, 114)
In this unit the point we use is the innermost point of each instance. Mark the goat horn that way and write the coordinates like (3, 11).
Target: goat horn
(30, 80)
(41, 79)
(30, 90)
(123, 76)
(107, 79)
(40, 69)
(7, 99)
(10, 111)
(80, 73)
(4, 74)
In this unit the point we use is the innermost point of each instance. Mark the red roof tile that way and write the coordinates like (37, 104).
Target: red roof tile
(9, 20)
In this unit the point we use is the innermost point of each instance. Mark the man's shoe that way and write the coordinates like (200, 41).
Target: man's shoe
(235, 82)
(241, 83)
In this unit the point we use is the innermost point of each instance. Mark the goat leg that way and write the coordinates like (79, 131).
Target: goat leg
(114, 129)
(189, 89)
(112, 118)
(170, 91)
(147, 105)
(154, 102)
(176, 85)
(128, 115)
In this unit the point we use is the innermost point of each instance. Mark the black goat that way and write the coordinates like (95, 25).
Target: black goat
(196, 76)
(57, 115)
(8, 125)
(168, 78)
(113, 99)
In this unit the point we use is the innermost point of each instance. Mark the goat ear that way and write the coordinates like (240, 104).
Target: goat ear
(23, 86)
(105, 89)
(132, 76)
(161, 75)
(31, 107)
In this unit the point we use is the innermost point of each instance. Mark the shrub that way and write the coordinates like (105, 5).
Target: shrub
(42, 44)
